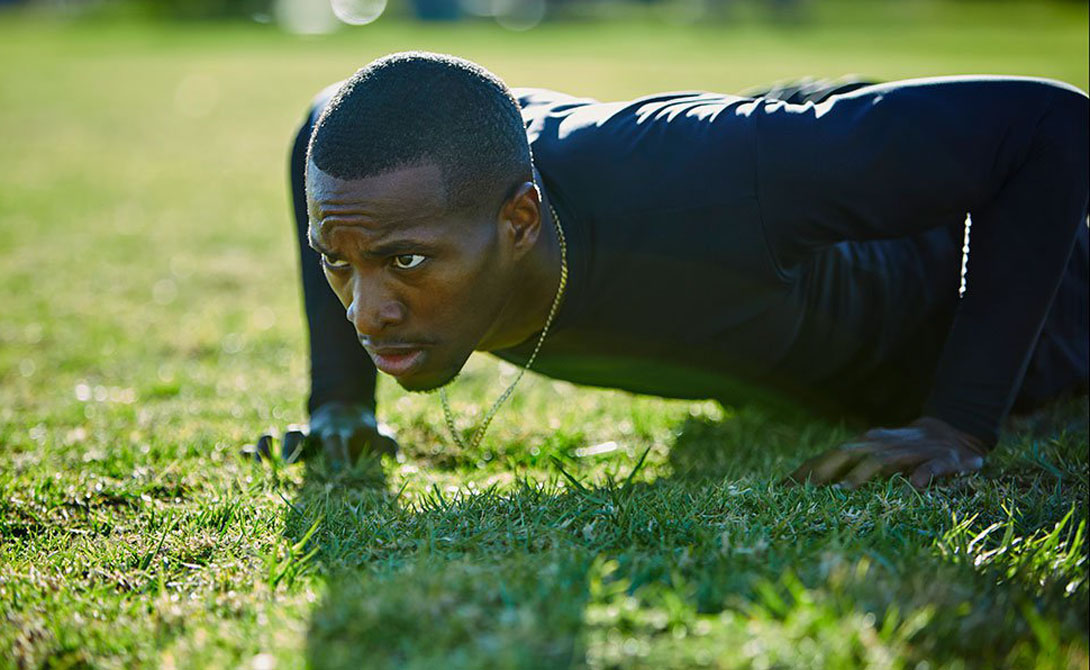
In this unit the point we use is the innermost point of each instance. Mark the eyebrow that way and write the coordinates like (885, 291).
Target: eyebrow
(391, 248)
(395, 247)
(316, 243)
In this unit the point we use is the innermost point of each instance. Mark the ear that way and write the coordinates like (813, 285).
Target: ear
(520, 218)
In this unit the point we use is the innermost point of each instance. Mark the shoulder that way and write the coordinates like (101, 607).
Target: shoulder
(674, 136)
(554, 116)
(543, 97)
(538, 105)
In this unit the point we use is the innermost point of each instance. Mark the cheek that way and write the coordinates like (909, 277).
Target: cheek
(340, 286)
(465, 299)
(438, 301)
(448, 300)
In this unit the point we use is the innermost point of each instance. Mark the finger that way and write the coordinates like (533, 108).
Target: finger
(376, 443)
(370, 441)
(336, 451)
(251, 451)
(884, 464)
(862, 472)
(860, 444)
(939, 468)
(827, 467)
(355, 442)
(884, 434)
(347, 454)
(387, 440)
(292, 446)
(384, 444)
(360, 441)
(264, 447)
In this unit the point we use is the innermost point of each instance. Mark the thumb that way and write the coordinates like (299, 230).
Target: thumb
(384, 444)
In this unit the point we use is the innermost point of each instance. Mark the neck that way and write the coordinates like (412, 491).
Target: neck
(527, 311)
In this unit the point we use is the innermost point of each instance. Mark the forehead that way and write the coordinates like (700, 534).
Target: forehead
(406, 197)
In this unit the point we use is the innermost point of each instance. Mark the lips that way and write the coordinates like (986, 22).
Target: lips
(398, 361)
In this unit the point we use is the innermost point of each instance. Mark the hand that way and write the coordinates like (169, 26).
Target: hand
(346, 430)
(342, 431)
(927, 449)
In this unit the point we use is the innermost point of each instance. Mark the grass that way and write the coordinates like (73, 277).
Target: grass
(150, 326)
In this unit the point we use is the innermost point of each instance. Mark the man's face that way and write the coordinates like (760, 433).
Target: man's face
(422, 285)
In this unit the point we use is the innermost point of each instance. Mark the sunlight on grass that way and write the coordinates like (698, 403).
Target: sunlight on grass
(151, 326)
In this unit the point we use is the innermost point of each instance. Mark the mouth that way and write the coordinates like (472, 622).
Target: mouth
(397, 361)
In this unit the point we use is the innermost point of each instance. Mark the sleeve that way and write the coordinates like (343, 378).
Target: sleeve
(340, 370)
(892, 160)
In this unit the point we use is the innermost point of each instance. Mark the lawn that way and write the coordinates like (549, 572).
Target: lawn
(150, 325)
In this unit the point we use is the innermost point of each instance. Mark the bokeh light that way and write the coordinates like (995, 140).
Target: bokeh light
(305, 17)
(518, 14)
(358, 12)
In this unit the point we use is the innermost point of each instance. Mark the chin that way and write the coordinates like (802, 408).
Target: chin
(428, 381)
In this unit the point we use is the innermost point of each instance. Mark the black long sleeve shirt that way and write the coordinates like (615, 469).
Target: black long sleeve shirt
(751, 249)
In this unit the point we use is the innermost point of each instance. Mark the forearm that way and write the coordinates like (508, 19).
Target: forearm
(1020, 243)
(340, 369)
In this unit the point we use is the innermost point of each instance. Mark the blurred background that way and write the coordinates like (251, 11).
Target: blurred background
(326, 16)
(317, 17)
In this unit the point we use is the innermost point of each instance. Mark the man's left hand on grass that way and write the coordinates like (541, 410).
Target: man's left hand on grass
(926, 450)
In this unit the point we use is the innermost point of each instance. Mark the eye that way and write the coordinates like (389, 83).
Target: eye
(408, 261)
(334, 263)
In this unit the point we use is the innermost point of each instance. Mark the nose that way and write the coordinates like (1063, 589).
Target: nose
(373, 309)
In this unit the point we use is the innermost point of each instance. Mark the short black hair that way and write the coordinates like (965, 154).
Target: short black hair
(408, 108)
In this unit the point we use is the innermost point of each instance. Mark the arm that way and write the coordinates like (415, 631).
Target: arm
(894, 159)
(342, 397)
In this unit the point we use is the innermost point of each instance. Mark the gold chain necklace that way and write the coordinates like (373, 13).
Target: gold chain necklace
(478, 435)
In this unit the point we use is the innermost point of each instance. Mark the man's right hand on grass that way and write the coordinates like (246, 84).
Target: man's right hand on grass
(342, 431)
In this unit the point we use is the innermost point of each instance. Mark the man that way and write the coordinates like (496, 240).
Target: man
(702, 245)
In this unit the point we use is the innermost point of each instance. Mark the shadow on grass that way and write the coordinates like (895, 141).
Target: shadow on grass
(714, 562)
(448, 582)
(752, 442)
(538, 576)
